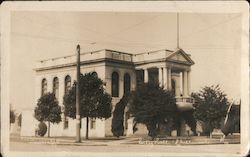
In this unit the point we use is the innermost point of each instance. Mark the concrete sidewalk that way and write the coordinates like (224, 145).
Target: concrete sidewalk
(195, 140)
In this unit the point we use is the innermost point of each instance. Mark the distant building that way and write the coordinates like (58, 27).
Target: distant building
(121, 72)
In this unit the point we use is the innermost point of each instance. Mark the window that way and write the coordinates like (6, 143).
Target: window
(44, 87)
(139, 77)
(56, 87)
(66, 123)
(67, 84)
(127, 83)
(92, 123)
(115, 84)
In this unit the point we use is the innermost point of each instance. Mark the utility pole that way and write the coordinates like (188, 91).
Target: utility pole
(178, 30)
(78, 119)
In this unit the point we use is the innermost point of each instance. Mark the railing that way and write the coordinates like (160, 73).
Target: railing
(185, 100)
(184, 103)
(101, 54)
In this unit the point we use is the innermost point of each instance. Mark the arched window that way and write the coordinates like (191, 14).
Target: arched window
(115, 84)
(44, 87)
(127, 83)
(56, 87)
(67, 84)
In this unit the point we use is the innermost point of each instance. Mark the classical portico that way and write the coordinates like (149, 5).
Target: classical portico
(169, 66)
(171, 69)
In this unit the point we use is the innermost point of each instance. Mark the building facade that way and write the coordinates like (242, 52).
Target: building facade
(121, 72)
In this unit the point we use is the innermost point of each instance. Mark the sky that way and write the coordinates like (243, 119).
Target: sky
(213, 40)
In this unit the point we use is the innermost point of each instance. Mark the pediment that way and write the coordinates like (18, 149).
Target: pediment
(181, 57)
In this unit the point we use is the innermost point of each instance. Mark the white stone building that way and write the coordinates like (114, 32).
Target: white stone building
(121, 72)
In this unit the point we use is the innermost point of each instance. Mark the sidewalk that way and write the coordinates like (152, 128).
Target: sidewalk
(106, 141)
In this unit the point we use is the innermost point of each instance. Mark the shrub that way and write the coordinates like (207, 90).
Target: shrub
(42, 129)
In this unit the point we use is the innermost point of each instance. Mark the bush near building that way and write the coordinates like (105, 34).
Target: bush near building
(42, 129)
(48, 110)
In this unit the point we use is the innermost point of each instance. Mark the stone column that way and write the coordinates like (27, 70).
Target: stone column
(185, 84)
(145, 75)
(169, 79)
(165, 78)
(133, 81)
(189, 83)
(160, 77)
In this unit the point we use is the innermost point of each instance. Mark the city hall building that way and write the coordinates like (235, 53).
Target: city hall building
(121, 72)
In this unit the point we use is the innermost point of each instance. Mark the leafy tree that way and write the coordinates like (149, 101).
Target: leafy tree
(152, 106)
(94, 101)
(118, 116)
(48, 110)
(210, 106)
(12, 116)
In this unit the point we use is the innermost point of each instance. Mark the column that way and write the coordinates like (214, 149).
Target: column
(189, 83)
(169, 79)
(185, 84)
(160, 77)
(181, 82)
(145, 75)
(133, 81)
(165, 78)
(177, 85)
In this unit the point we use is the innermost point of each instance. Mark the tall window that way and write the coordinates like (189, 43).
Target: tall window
(115, 84)
(92, 123)
(44, 86)
(127, 83)
(139, 77)
(67, 84)
(56, 87)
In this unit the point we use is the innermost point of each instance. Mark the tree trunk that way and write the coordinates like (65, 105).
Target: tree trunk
(87, 128)
(48, 128)
(210, 131)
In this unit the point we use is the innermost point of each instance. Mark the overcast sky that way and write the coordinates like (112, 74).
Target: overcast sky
(213, 40)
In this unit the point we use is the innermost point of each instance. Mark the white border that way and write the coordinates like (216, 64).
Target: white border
(124, 6)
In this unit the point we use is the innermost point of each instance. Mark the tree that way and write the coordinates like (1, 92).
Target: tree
(210, 106)
(48, 110)
(152, 106)
(94, 101)
(118, 116)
